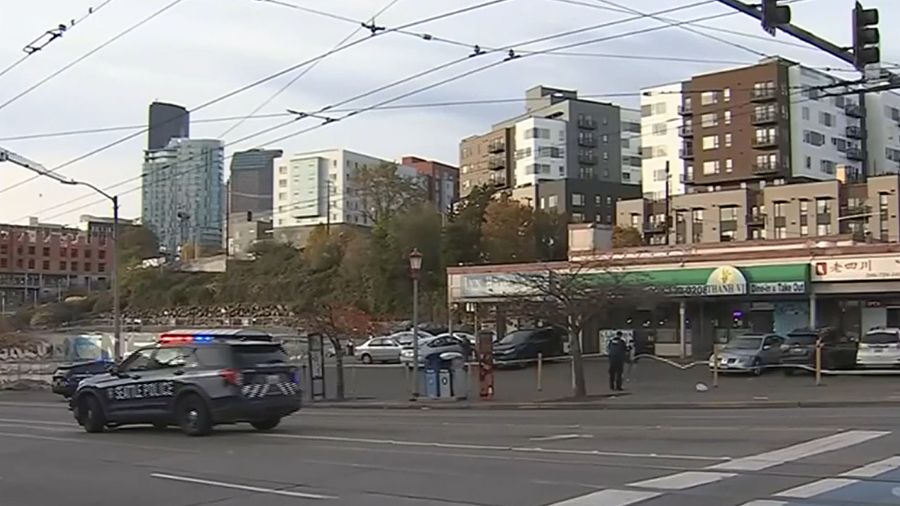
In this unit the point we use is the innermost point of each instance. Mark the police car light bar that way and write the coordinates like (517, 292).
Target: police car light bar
(185, 339)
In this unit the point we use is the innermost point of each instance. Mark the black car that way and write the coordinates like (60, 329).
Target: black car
(66, 377)
(527, 344)
(193, 379)
(799, 348)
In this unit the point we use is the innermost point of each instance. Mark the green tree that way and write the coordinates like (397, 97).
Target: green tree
(136, 242)
(625, 237)
(552, 231)
(384, 193)
(508, 233)
(462, 235)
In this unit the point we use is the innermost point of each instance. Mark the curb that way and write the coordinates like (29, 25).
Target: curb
(589, 406)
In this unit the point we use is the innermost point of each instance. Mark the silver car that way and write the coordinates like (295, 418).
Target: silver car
(405, 338)
(749, 353)
(379, 349)
(431, 345)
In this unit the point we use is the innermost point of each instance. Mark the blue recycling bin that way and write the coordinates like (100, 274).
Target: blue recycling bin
(431, 371)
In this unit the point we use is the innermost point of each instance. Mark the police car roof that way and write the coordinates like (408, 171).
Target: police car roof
(223, 334)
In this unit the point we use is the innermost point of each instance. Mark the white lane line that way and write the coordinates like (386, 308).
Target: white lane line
(765, 502)
(609, 497)
(497, 448)
(798, 451)
(682, 481)
(874, 469)
(42, 422)
(95, 441)
(562, 437)
(236, 486)
(815, 488)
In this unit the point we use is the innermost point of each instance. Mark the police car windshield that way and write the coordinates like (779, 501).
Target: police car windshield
(249, 355)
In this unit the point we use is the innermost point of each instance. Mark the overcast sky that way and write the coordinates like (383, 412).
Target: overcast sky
(201, 49)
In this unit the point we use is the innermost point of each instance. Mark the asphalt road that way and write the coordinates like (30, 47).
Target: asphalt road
(775, 457)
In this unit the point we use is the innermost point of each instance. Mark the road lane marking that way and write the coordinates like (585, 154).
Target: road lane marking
(562, 437)
(798, 451)
(497, 448)
(682, 481)
(42, 422)
(766, 502)
(817, 487)
(95, 441)
(237, 486)
(609, 497)
(874, 469)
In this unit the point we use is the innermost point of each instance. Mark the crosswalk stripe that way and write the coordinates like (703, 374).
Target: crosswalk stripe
(798, 451)
(874, 469)
(682, 481)
(817, 487)
(609, 497)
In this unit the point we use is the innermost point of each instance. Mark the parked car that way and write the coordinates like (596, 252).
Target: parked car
(378, 349)
(527, 344)
(66, 377)
(749, 353)
(879, 348)
(467, 340)
(431, 345)
(405, 338)
(799, 348)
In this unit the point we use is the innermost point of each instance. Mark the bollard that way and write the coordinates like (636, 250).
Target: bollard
(572, 362)
(818, 363)
(540, 370)
(715, 365)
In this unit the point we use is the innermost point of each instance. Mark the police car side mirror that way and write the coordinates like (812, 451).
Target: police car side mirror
(113, 369)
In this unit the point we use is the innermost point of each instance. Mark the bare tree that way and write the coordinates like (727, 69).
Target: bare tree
(571, 295)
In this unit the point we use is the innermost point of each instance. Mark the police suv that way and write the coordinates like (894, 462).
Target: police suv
(194, 379)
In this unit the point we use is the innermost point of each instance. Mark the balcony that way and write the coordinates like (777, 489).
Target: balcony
(767, 168)
(853, 111)
(496, 163)
(496, 147)
(588, 142)
(758, 219)
(764, 142)
(587, 124)
(854, 154)
(763, 94)
(853, 132)
(498, 182)
(686, 153)
(654, 228)
(686, 109)
(768, 116)
(686, 131)
(590, 160)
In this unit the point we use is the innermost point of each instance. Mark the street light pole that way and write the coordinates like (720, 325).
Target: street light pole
(415, 266)
(21, 161)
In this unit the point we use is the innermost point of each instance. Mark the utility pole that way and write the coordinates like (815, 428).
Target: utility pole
(668, 202)
(328, 207)
(9, 156)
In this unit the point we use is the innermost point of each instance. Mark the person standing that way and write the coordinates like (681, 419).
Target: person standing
(618, 351)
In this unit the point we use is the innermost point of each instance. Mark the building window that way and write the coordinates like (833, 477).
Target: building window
(726, 94)
(778, 208)
(46, 265)
(578, 199)
(814, 138)
(101, 254)
(804, 113)
(537, 133)
(710, 142)
(31, 263)
(726, 236)
(63, 266)
(697, 215)
(780, 232)
(577, 217)
(282, 183)
(660, 128)
(598, 199)
(728, 140)
(552, 201)
(727, 117)
(87, 253)
(804, 230)
(827, 166)
(31, 250)
(658, 108)
(804, 207)
(87, 267)
(823, 229)
(101, 267)
(709, 120)
(709, 97)
(3, 262)
(710, 167)
(729, 165)
(46, 251)
(728, 213)
(826, 118)
(823, 206)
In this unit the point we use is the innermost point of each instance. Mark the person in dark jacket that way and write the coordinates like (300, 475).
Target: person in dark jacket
(618, 352)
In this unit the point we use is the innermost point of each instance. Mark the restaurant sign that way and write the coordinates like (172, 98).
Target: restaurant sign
(856, 269)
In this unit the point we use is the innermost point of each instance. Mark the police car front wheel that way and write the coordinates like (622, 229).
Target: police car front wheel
(91, 414)
(193, 416)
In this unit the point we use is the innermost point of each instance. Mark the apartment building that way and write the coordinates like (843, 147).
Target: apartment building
(486, 159)
(630, 135)
(663, 128)
(441, 181)
(318, 188)
(40, 260)
(771, 211)
(883, 131)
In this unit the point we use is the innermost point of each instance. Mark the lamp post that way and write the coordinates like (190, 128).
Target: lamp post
(9, 156)
(415, 266)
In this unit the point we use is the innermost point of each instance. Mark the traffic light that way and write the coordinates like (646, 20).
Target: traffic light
(865, 37)
(774, 15)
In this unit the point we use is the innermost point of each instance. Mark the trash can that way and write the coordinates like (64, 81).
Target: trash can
(457, 375)
(430, 371)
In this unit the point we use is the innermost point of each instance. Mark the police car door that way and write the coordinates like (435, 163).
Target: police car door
(159, 383)
(124, 396)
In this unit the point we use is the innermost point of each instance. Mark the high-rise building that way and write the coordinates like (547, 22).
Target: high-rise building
(441, 180)
(183, 193)
(578, 149)
(663, 129)
(250, 184)
(319, 188)
(166, 122)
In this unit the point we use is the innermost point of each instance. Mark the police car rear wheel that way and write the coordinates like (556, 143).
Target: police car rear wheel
(193, 416)
(269, 424)
(91, 414)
